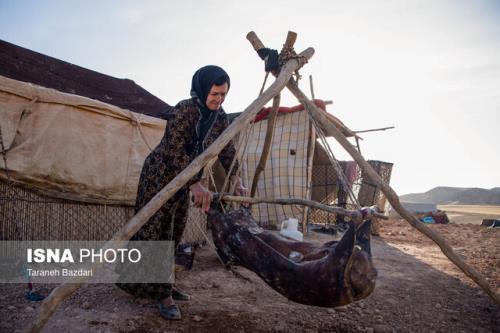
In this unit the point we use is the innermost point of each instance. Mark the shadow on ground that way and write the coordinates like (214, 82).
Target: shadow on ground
(411, 296)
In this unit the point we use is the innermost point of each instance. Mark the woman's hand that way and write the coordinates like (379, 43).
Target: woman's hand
(202, 196)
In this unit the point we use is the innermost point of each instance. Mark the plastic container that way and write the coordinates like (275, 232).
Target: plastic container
(289, 228)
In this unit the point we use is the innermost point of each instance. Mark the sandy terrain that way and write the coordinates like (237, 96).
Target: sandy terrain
(418, 290)
(474, 214)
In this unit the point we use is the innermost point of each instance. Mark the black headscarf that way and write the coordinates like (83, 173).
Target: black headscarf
(203, 80)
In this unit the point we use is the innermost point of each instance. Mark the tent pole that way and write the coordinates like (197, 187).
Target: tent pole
(311, 146)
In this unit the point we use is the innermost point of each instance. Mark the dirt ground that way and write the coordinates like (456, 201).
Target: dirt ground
(418, 290)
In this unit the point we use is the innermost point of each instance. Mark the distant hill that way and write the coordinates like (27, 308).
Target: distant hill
(456, 196)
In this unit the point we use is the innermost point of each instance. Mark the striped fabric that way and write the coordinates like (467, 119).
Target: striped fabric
(286, 174)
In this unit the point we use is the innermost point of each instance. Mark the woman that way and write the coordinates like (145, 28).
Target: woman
(192, 125)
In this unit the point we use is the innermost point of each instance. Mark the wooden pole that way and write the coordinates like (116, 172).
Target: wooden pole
(353, 214)
(310, 152)
(268, 142)
(389, 193)
(311, 146)
(357, 145)
(311, 86)
(291, 37)
(375, 129)
(255, 41)
(50, 304)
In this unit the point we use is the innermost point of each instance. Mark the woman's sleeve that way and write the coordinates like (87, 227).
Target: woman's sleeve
(179, 143)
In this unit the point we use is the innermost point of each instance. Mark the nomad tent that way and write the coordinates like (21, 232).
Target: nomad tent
(72, 150)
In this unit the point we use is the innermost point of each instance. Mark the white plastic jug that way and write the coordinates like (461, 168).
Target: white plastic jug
(289, 228)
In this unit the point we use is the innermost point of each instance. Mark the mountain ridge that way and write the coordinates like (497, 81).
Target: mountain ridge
(446, 195)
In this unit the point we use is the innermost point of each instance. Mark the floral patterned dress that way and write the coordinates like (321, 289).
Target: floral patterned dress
(179, 146)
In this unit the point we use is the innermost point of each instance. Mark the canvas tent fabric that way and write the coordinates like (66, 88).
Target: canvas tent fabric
(326, 131)
(74, 147)
(60, 209)
(286, 174)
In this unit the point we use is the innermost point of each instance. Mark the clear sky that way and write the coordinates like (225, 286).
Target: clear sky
(430, 68)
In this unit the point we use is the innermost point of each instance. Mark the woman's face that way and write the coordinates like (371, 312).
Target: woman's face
(216, 96)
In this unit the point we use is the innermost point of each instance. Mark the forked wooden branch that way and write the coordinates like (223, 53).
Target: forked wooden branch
(50, 304)
(389, 193)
